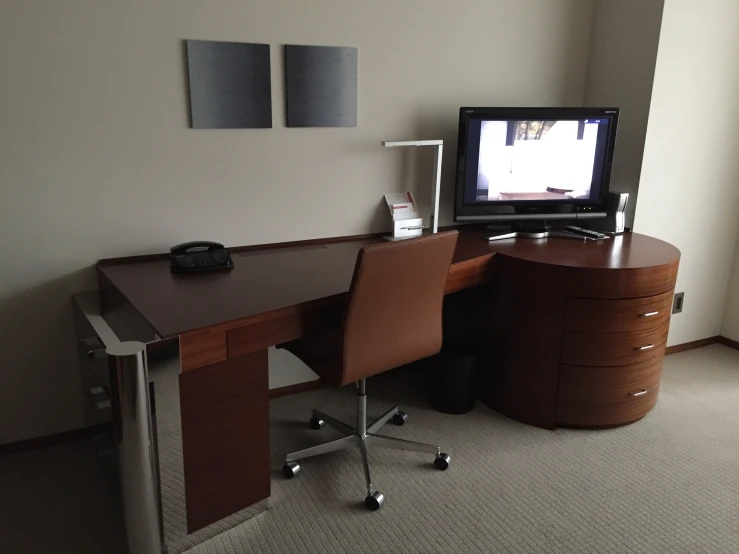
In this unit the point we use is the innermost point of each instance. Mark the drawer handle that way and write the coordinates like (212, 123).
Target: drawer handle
(640, 393)
(647, 347)
(648, 314)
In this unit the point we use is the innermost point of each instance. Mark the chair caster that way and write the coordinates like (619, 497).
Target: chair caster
(290, 469)
(374, 501)
(442, 461)
(400, 418)
(315, 423)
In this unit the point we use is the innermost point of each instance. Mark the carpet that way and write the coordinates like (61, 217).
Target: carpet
(667, 484)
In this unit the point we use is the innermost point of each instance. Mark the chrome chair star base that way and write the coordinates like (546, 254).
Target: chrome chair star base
(363, 437)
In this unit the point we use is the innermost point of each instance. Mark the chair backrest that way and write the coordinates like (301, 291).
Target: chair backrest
(394, 312)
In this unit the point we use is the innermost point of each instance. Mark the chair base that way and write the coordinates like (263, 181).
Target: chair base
(362, 437)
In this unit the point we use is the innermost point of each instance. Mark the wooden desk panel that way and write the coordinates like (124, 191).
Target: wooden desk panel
(468, 274)
(225, 437)
(203, 347)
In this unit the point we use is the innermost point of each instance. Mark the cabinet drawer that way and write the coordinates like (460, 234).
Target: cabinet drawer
(612, 349)
(603, 396)
(616, 316)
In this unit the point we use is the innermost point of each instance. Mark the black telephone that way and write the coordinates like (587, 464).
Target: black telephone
(190, 257)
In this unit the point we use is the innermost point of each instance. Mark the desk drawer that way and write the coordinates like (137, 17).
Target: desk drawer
(617, 316)
(603, 396)
(614, 349)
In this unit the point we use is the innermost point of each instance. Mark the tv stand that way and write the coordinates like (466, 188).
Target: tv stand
(527, 230)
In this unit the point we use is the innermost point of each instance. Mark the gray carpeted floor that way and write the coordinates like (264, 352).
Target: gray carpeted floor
(669, 483)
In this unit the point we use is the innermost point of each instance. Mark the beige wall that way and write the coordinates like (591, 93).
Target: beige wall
(96, 159)
(730, 323)
(623, 54)
(689, 190)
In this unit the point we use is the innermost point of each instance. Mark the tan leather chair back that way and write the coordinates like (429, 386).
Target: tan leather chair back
(395, 305)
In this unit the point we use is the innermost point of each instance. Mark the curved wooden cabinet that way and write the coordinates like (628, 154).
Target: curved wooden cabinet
(578, 331)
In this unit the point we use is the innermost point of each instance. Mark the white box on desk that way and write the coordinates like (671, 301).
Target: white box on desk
(404, 228)
(407, 221)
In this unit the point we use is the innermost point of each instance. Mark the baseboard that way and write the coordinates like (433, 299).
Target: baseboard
(59, 438)
(74, 434)
(691, 345)
(53, 440)
(292, 389)
(66, 436)
(728, 342)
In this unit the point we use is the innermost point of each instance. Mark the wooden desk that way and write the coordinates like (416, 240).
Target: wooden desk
(275, 293)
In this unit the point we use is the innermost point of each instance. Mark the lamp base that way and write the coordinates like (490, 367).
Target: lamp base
(391, 238)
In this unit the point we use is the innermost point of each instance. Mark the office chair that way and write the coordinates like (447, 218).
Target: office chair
(393, 317)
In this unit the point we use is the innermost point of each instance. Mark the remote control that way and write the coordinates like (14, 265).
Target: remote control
(587, 232)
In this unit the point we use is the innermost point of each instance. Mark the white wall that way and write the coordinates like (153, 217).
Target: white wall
(96, 159)
(730, 323)
(623, 54)
(689, 190)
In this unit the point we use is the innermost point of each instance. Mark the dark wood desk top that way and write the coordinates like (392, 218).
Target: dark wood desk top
(268, 279)
(627, 251)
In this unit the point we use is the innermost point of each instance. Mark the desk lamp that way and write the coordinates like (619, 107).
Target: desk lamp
(436, 184)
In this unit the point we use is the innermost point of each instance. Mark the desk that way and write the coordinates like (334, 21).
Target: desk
(538, 295)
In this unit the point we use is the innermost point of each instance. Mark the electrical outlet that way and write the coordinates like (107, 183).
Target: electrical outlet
(677, 302)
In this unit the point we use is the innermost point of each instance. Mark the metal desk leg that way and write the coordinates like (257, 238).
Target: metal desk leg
(136, 447)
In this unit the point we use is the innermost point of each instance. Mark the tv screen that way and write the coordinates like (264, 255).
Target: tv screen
(534, 156)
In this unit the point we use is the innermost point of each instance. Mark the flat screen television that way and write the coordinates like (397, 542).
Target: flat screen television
(533, 163)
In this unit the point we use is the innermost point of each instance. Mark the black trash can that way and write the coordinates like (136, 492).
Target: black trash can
(453, 381)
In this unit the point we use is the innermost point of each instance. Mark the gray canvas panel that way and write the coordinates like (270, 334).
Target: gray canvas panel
(321, 86)
(230, 85)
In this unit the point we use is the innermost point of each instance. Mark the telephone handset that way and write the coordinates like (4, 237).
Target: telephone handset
(195, 256)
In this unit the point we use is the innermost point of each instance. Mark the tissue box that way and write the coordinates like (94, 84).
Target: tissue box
(407, 221)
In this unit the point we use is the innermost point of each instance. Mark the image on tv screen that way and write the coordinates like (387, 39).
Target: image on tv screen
(536, 160)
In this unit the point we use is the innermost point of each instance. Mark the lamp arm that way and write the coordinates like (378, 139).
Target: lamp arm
(436, 184)
(436, 189)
